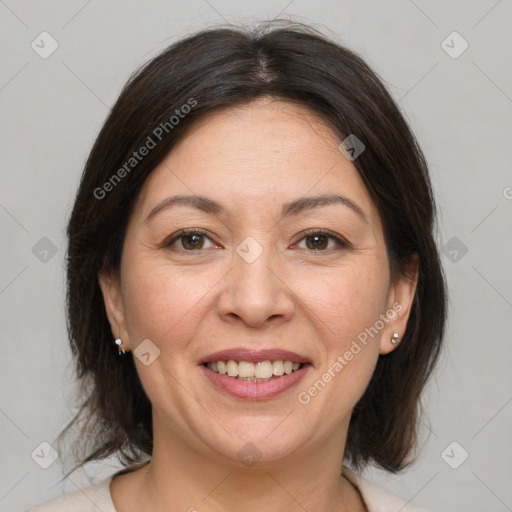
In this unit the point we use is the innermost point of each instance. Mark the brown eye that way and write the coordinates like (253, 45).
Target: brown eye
(317, 241)
(189, 241)
(192, 241)
(320, 241)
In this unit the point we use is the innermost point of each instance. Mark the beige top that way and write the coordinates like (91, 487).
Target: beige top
(97, 498)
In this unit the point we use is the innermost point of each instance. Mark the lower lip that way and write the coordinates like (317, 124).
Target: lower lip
(255, 390)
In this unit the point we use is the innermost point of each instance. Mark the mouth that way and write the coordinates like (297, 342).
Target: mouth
(247, 371)
(254, 375)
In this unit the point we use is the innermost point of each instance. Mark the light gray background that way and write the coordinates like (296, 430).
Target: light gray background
(460, 109)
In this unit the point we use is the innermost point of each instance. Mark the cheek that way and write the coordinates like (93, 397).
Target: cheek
(163, 304)
(343, 306)
(346, 300)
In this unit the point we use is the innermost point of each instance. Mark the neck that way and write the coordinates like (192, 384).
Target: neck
(181, 477)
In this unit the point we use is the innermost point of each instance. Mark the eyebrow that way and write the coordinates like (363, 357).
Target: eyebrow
(307, 203)
(295, 207)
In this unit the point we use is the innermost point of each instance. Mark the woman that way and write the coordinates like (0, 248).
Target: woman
(254, 292)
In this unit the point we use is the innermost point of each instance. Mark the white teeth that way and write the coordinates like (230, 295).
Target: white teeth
(263, 370)
(245, 370)
(221, 367)
(278, 367)
(232, 368)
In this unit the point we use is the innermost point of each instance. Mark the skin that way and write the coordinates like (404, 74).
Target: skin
(252, 159)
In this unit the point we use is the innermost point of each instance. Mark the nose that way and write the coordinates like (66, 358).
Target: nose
(256, 292)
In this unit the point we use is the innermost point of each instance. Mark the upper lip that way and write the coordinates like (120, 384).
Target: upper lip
(254, 356)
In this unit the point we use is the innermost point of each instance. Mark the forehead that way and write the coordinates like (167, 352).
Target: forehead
(258, 155)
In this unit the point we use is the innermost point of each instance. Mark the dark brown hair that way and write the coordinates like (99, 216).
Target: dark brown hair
(226, 67)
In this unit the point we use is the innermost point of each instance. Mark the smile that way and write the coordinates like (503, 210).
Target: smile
(253, 387)
(254, 372)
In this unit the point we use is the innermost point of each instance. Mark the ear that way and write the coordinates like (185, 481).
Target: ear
(400, 299)
(111, 289)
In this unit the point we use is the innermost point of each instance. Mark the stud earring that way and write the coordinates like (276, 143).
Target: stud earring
(395, 339)
(118, 343)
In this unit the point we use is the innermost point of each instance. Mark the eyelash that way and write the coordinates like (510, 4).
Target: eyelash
(343, 244)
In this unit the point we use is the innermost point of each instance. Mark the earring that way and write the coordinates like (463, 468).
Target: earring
(395, 339)
(118, 343)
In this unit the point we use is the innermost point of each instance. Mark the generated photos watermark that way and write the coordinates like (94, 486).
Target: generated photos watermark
(150, 143)
(304, 397)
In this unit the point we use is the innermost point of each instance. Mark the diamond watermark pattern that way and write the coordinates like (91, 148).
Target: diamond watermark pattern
(454, 455)
(352, 147)
(249, 454)
(454, 249)
(44, 455)
(44, 45)
(454, 45)
(44, 250)
(147, 352)
(249, 250)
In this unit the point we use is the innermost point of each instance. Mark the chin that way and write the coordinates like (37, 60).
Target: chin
(258, 444)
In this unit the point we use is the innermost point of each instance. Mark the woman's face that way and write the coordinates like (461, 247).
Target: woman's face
(265, 267)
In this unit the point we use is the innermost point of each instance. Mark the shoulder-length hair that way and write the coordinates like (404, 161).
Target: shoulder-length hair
(229, 66)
